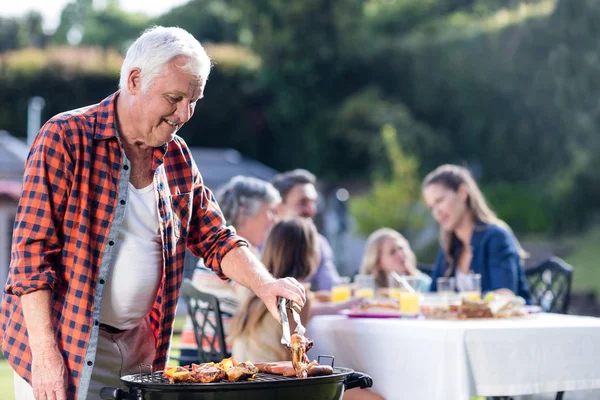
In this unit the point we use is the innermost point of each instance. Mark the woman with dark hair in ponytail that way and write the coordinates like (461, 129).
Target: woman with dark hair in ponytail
(472, 238)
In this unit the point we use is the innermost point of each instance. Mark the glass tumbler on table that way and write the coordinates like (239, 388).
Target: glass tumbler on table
(410, 299)
(471, 287)
(341, 291)
(365, 286)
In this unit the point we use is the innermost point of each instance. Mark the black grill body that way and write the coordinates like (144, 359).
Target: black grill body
(263, 387)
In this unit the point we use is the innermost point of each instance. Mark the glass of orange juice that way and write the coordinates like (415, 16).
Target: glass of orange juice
(393, 288)
(341, 291)
(365, 286)
(410, 299)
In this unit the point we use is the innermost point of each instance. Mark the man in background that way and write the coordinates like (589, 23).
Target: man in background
(299, 199)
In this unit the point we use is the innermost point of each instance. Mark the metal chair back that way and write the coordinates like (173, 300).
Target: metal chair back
(207, 321)
(550, 284)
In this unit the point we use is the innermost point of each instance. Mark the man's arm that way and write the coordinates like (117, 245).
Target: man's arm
(243, 267)
(49, 373)
(46, 185)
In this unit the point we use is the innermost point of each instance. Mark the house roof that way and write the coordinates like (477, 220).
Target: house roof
(13, 153)
(217, 166)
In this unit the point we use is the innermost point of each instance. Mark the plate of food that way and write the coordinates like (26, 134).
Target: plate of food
(375, 309)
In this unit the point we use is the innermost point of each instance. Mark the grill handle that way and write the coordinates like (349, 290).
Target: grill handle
(110, 393)
(358, 379)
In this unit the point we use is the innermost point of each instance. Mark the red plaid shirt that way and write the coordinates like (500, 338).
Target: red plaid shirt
(68, 220)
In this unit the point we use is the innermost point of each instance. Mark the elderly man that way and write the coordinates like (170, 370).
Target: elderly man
(299, 199)
(111, 200)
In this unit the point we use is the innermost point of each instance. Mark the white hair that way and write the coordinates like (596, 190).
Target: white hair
(156, 47)
(245, 195)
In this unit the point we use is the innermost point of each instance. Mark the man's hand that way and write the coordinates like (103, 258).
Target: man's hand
(288, 288)
(49, 375)
(48, 369)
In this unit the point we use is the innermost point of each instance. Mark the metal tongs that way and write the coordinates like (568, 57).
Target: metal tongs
(284, 306)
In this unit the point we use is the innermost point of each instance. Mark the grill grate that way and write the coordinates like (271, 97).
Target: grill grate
(157, 378)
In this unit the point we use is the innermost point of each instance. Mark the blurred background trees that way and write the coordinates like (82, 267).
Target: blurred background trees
(507, 87)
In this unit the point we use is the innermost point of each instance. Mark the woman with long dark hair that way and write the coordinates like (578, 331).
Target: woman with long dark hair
(472, 238)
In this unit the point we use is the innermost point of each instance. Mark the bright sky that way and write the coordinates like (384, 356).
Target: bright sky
(51, 9)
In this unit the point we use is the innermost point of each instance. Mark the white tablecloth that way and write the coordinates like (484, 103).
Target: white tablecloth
(439, 360)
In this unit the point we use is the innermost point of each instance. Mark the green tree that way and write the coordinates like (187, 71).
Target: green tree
(9, 34)
(214, 21)
(393, 200)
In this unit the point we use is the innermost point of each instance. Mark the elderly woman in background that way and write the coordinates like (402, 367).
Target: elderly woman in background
(472, 238)
(249, 205)
(388, 251)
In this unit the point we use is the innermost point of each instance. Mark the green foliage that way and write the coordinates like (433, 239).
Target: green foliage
(392, 201)
(524, 207)
(109, 27)
(69, 77)
(208, 20)
(357, 124)
(507, 86)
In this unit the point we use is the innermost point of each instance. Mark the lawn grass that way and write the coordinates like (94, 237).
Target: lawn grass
(585, 259)
(6, 380)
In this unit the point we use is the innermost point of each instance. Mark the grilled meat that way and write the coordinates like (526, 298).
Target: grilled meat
(242, 371)
(299, 346)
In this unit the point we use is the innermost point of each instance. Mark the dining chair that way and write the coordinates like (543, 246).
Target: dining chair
(550, 284)
(550, 287)
(207, 321)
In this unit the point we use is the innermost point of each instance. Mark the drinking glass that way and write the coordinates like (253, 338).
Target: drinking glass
(365, 286)
(446, 286)
(471, 287)
(393, 287)
(341, 291)
(410, 299)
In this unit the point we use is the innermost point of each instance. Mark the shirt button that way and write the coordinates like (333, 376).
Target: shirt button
(102, 281)
(89, 363)
(111, 243)
(125, 167)
(123, 202)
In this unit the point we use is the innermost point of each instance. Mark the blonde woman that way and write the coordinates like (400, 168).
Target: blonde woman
(388, 251)
(472, 238)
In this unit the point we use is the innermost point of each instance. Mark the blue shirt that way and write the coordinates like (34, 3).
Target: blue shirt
(327, 274)
(495, 257)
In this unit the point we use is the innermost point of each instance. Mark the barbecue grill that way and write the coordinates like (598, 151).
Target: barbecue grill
(154, 386)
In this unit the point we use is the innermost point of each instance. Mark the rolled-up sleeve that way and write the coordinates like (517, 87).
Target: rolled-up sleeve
(210, 238)
(36, 244)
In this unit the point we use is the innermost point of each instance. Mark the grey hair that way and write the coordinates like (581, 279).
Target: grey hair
(244, 195)
(156, 47)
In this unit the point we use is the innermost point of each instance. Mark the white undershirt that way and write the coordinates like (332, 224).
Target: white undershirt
(137, 266)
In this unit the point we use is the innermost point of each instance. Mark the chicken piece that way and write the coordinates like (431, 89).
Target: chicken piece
(177, 374)
(242, 371)
(208, 374)
(299, 346)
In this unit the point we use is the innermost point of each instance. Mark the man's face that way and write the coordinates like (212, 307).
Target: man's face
(301, 201)
(168, 103)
